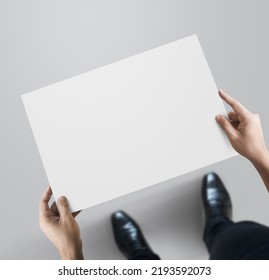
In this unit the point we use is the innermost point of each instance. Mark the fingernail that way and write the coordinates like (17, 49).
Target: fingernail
(62, 198)
(221, 91)
(218, 118)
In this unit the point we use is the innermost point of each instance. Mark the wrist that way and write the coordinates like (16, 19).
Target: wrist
(78, 255)
(260, 158)
(72, 254)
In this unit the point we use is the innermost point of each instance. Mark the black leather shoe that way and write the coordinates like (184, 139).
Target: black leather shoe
(216, 199)
(128, 235)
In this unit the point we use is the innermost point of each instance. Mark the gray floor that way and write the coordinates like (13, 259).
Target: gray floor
(46, 41)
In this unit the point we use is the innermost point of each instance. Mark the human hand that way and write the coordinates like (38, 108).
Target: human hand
(60, 226)
(243, 129)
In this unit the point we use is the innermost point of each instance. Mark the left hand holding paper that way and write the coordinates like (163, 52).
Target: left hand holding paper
(60, 226)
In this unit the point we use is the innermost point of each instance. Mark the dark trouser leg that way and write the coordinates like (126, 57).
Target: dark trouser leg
(225, 239)
(144, 255)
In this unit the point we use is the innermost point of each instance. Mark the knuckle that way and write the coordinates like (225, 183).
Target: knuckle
(234, 137)
(224, 123)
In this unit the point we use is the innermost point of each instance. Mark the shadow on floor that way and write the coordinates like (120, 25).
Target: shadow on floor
(169, 213)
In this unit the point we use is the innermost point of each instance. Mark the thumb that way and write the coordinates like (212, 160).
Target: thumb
(63, 207)
(226, 126)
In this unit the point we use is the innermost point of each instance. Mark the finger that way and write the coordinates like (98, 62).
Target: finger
(237, 107)
(54, 208)
(233, 116)
(226, 125)
(76, 213)
(43, 205)
(63, 207)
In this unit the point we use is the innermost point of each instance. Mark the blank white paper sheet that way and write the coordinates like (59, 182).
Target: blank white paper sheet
(128, 125)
